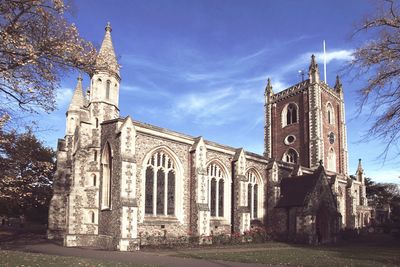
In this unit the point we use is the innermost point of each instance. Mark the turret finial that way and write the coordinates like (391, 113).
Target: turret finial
(108, 27)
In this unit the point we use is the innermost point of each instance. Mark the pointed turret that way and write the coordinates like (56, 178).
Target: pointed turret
(105, 80)
(338, 86)
(106, 59)
(74, 109)
(313, 70)
(78, 100)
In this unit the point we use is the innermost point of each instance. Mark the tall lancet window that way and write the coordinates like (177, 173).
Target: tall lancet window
(331, 160)
(106, 163)
(291, 115)
(254, 201)
(108, 88)
(290, 156)
(160, 185)
(330, 115)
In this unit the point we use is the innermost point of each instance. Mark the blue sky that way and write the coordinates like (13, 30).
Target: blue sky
(200, 67)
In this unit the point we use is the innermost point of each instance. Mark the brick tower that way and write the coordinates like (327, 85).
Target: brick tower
(305, 123)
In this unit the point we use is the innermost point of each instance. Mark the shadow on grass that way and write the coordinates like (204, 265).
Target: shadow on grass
(373, 250)
(16, 238)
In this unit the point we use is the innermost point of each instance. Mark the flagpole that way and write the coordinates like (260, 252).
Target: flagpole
(324, 63)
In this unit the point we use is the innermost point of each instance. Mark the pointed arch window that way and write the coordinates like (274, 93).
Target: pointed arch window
(106, 162)
(160, 185)
(330, 115)
(290, 156)
(290, 114)
(216, 177)
(331, 160)
(253, 194)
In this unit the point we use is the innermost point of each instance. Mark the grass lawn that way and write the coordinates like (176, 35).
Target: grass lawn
(370, 252)
(17, 258)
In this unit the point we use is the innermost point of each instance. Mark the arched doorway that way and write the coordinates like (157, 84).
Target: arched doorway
(323, 226)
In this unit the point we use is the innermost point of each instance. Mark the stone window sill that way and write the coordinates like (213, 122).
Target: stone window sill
(159, 220)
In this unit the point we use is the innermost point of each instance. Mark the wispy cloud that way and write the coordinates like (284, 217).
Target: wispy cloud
(63, 97)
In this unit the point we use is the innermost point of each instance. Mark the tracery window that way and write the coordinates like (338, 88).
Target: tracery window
(290, 156)
(291, 114)
(253, 194)
(106, 162)
(160, 185)
(216, 190)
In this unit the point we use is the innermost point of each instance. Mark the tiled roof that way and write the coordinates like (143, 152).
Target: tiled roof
(295, 189)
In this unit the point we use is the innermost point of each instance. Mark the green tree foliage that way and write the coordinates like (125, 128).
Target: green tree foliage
(26, 177)
(378, 62)
(384, 194)
(37, 45)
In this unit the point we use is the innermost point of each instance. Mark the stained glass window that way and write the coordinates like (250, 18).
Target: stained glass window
(213, 197)
(216, 190)
(160, 191)
(171, 193)
(221, 198)
(160, 173)
(149, 190)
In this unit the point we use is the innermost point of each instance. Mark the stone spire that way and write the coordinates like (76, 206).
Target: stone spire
(338, 85)
(78, 100)
(313, 70)
(106, 59)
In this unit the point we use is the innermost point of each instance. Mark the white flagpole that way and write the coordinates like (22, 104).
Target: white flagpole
(325, 64)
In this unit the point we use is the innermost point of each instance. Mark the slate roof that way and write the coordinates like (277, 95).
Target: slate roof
(106, 58)
(295, 189)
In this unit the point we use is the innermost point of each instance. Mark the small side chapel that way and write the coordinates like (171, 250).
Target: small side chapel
(119, 181)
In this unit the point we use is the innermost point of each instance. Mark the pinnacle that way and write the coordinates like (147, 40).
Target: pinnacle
(359, 167)
(106, 59)
(78, 100)
(313, 64)
(338, 84)
(268, 88)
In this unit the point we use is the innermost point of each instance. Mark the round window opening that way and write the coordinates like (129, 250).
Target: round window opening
(290, 139)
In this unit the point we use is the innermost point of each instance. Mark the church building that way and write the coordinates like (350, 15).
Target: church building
(120, 182)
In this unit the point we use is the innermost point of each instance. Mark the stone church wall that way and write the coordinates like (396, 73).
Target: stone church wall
(145, 144)
(109, 219)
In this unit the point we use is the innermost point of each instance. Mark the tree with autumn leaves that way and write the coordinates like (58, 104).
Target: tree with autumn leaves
(37, 45)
